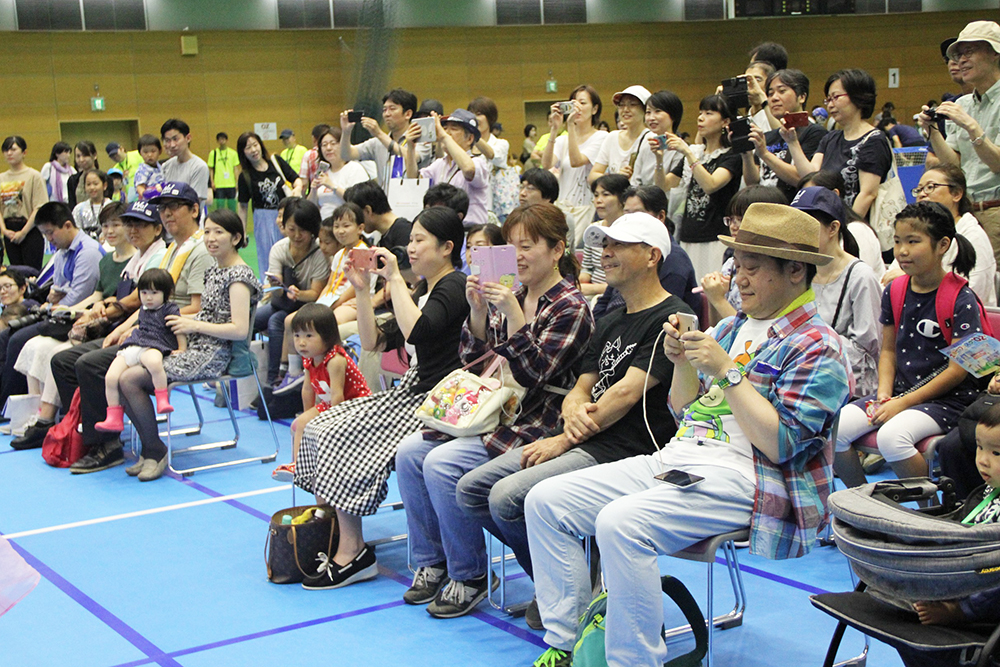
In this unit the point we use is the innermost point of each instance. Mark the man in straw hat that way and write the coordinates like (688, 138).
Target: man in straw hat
(756, 401)
(973, 126)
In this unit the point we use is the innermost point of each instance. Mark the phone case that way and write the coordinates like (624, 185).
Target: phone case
(495, 264)
(428, 131)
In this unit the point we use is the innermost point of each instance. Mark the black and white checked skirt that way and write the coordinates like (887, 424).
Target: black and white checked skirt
(348, 451)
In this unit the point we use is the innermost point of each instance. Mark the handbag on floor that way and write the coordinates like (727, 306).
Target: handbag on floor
(19, 410)
(290, 549)
(63, 444)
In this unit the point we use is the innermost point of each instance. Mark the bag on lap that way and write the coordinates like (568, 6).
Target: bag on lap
(63, 444)
(290, 550)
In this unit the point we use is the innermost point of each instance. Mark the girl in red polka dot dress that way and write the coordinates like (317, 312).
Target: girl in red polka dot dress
(331, 375)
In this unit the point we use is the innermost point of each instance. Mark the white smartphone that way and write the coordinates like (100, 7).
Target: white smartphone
(686, 322)
(428, 130)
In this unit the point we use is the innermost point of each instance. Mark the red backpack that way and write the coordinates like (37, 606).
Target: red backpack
(944, 303)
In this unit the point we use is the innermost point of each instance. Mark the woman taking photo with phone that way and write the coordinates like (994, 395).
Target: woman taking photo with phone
(347, 452)
(333, 175)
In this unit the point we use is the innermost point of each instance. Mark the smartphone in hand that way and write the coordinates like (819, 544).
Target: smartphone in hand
(495, 264)
(364, 258)
(796, 119)
(686, 322)
(355, 116)
(428, 130)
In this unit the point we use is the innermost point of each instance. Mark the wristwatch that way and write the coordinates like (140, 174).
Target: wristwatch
(732, 378)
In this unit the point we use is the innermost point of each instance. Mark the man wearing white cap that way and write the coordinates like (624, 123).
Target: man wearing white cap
(603, 413)
(626, 151)
(756, 401)
(973, 126)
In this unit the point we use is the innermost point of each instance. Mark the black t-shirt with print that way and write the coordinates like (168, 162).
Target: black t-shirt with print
(704, 214)
(850, 157)
(622, 340)
(809, 138)
(265, 187)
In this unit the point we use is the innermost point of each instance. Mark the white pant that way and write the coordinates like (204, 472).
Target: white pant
(34, 362)
(897, 438)
(635, 518)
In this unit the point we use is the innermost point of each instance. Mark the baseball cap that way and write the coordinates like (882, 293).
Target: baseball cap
(977, 31)
(636, 227)
(112, 147)
(285, 133)
(820, 113)
(466, 119)
(945, 45)
(142, 211)
(427, 106)
(635, 91)
(815, 198)
(181, 191)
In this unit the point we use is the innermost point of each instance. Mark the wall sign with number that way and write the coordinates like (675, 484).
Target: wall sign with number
(266, 131)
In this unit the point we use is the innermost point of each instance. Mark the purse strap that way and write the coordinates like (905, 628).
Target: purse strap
(295, 546)
(843, 291)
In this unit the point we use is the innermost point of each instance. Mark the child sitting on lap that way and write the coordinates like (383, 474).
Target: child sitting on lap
(146, 345)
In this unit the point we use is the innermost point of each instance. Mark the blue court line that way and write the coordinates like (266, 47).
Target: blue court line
(263, 633)
(777, 578)
(155, 653)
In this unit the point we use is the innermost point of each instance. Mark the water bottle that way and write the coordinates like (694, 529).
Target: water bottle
(318, 515)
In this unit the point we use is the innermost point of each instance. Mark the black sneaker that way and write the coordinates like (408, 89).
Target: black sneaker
(427, 581)
(330, 575)
(458, 598)
(532, 617)
(101, 457)
(33, 437)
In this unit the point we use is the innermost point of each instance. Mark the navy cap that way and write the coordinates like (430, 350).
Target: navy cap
(181, 191)
(816, 198)
(466, 119)
(285, 133)
(113, 147)
(142, 211)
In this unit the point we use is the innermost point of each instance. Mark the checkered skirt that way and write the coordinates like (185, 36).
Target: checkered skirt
(348, 451)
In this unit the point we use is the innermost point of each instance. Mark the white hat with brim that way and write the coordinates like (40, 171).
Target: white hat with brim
(977, 31)
(781, 231)
(631, 228)
(638, 92)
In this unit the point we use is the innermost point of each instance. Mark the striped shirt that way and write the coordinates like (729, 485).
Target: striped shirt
(802, 369)
(544, 351)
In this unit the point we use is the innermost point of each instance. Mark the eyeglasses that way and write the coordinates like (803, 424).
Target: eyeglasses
(830, 99)
(928, 188)
(4, 287)
(172, 205)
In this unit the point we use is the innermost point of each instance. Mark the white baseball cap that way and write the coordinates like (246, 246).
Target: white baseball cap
(635, 91)
(636, 227)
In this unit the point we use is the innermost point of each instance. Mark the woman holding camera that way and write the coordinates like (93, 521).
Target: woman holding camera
(858, 151)
(574, 154)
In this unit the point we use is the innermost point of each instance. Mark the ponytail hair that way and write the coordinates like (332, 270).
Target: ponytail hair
(847, 239)
(937, 222)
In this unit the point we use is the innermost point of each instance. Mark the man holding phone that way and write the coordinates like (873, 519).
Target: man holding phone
(787, 93)
(398, 107)
(757, 400)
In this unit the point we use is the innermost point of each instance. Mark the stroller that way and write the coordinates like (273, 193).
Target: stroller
(904, 555)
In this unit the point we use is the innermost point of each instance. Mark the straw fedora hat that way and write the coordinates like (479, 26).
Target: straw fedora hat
(781, 231)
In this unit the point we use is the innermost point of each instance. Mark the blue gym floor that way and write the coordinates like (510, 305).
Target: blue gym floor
(172, 573)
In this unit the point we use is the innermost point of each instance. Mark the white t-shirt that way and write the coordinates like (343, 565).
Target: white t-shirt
(731, 448)
(869, 250)
(328, 200)
(612, 155)
(194, 172)
(573, 187)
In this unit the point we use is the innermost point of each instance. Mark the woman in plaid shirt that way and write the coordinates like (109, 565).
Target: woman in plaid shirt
(541, 329)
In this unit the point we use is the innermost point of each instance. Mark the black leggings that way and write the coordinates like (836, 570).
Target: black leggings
(135, 387)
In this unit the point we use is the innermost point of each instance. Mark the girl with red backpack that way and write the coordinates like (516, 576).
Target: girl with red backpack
(920, 391)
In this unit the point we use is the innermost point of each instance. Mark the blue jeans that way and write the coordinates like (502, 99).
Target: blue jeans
(273, 322)
(438, 530)
(493, 494)
(265, 235)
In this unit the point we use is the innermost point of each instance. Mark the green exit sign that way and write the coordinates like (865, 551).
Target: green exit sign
(550, 86)
(97, 104)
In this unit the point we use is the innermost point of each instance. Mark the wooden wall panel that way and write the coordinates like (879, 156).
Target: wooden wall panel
(299, 78)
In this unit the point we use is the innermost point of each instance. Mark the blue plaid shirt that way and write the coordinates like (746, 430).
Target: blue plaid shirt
(803, 371)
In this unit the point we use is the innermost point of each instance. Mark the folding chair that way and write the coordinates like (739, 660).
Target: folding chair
(705, 552)
(243, 364)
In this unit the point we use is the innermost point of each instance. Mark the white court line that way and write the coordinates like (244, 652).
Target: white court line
(154, 510)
